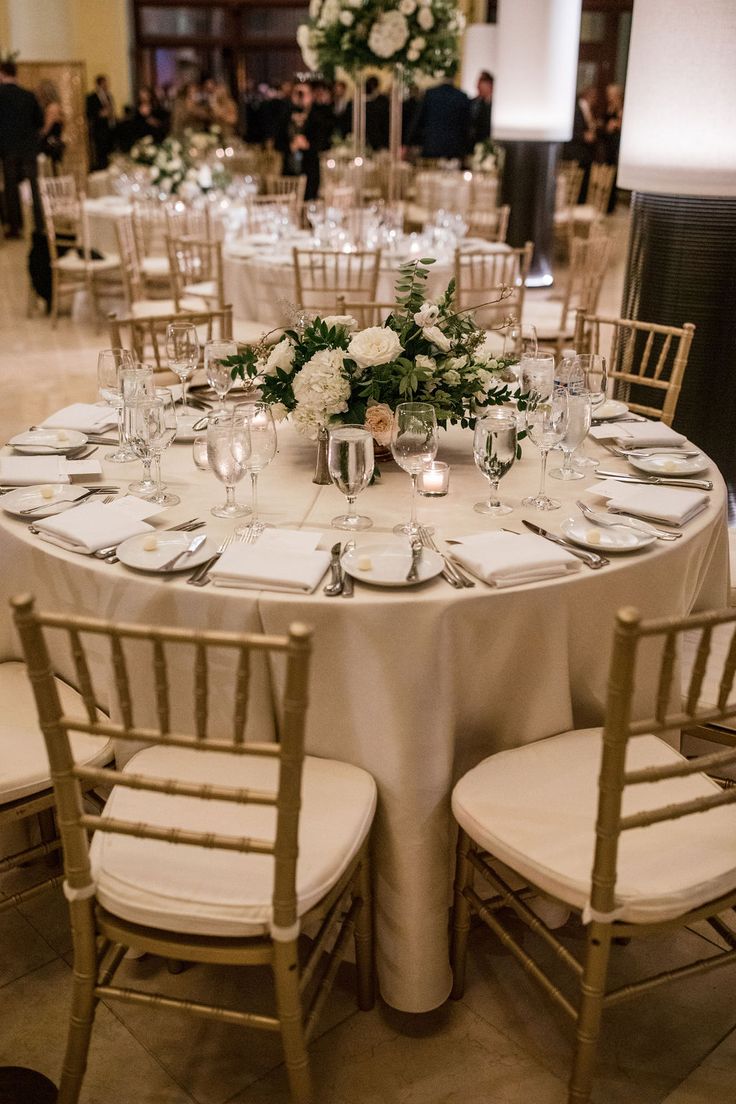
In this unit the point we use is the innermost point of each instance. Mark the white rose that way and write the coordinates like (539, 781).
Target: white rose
(452, 377)
(281, 356)
(426, 363)
(412, 55)
(314, 6)
(427, 315)
(374, 345)
(345, 320)
(330, 13)
(487, 350)
(347, 18)
(425, 19)
(407, 7)
(321, 386)
(436, 336)
(388, 34)
(418, 43)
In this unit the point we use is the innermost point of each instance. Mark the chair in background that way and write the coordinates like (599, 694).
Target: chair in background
(644, 359)
(58, 187)
(137, 299)
(491, 224)
(365, 313)
(196, 274)
(554, 320)
(657, 855)
(150, 224)
(581, 219)
(146, 336)
(73, 266)
(269, 838)
(480, 276)
(268, 211)
(293, 187)
(322, 275)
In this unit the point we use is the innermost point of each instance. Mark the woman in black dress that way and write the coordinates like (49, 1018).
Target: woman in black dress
(51, 142)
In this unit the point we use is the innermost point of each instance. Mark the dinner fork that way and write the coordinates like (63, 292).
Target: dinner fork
(451, 571)
(201, 576)
(109, 555)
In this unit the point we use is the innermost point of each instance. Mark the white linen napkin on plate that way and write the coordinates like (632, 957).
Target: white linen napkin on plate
(505, 559)
(93, 525)
(85, 417)
(638, 434)
(673, 505)
(26, 471)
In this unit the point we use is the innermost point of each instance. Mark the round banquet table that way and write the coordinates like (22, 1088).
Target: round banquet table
(415, 685)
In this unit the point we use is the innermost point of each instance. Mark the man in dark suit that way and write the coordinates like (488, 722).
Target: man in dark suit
(442, 124)
(581, 146)
(480, 110)
(21, 119)
(302, 138)
(101, 123)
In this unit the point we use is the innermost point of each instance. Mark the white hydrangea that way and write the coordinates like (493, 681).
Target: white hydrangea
(407, 7)
(281, 356)
(425, 19)
(388, 34)
(330, 13)
(347, 18)
(308, 422)
(279, 412)
(321, 386)
(418, 44)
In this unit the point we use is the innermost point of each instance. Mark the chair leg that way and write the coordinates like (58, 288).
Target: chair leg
(83, 1002)
(592, 989)
(364, 937)
(288, 1004)
(461, 916)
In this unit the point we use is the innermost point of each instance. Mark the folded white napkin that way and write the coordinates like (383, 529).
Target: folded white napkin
(94, 525)
(505, 559)
(264, 567)
(673, 505)
(26, 471)
(86, 417)
(638, 434)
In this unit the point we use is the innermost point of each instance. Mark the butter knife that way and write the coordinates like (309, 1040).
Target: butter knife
(592, 559)
(656, 480)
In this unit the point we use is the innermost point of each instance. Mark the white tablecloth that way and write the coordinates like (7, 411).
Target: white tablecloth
(103, 213)
(415, 685)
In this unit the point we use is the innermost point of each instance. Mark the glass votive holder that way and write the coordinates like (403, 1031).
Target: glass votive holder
(199, 452)
(434, 480)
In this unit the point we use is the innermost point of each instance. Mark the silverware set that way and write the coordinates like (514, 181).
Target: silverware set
(452, 572)
(340, 583)
(656, 480)
(592, 559)
(200, 577)
(33, 510)
(628, 520)
(109, 554)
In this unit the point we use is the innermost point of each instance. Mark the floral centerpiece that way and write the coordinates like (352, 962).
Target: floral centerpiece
(331, 371)
(175, 166)
(485, 157)
(421, 35)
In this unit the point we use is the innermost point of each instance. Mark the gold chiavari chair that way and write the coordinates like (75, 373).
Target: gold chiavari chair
(581, 219)
(149, 217)
(646, 360)
(554, 319)
(292, 187)
(196, 271)
(321, 275)
(137, 300)
(263, 209)
(481, 276)
(491, 224)
(73, 266)
(365, 313)
(651, 854)
(58, 187)
(145, 336)
(268, 838)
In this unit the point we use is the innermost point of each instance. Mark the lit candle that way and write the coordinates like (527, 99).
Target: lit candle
(434, 480)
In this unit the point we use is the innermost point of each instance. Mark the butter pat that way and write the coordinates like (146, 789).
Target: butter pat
(365, 563)
(670, 466)
(593, 536)
(62, 436)
(47, 491)
(150, 544)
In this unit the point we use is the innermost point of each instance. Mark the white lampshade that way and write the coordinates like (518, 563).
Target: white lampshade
(479, 53)
(678, 134)
(536, 70)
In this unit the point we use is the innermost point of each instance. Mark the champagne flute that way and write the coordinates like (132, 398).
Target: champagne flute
(110, 363)
(228, 451)
(219, 374)
(182, 351)
(350, 460)
(414, 445)
(494, 452)
(546, 424)
(537, 374)
(578, 424)
(263, 443)
(593, 368)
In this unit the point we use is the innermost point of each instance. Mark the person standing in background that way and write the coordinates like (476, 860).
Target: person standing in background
(101, 123)
(442, 124)
(51, 142)
(305, 135)
(342, 108)
(612, 133)
(480, 110)
(21, 121)
(581, 147)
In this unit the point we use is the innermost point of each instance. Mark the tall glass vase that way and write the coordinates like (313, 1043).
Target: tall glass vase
(358, 175)
(394, 139)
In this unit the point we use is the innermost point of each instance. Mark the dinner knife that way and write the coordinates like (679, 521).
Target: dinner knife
(592, 559)
(656, 480)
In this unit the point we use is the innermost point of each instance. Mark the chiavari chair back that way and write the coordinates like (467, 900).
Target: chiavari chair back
(188, 220)
(489, 223)
(647, 361)
(365, 313)
(554, 319)
(73, 266)
(59, 187)
(651, 853)
(600, 184)
(266, 836)
(263, 210)
(291, 186)
(572, 173)
(484, 191)
(323, 274)
(196, 269)
(482, 276)
(145, 335)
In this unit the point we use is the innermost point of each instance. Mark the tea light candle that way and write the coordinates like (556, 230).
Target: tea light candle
(434, 480)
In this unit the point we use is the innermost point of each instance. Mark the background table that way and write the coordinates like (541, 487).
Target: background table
(415, 685)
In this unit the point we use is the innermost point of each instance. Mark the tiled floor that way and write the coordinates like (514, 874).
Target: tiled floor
(502, 1044)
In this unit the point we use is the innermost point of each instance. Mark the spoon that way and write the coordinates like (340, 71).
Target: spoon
(334, 587)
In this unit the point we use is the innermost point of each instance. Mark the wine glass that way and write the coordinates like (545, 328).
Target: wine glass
(228, 451)
(537, 374)
(136, 383)
(219, 374)
(110, 363)
(182, 351)
(350, 460)
(592, 367)
(546, 425)
(520, 341)
(413, 444)
(151, 428)
(494, 452)
(578, 424)
(263, 443)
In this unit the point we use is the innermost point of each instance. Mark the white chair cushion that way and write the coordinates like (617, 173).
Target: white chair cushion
(249, 333)
(155, 308)
(206, 288)
(72, 262)
(213, 892)
(545, 315)
(534, 808)
(24, 764)
(155, 267)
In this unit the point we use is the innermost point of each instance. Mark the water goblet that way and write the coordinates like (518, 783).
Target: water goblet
(150, 427)
(494, 452)
(592, 368)
(219, 374)
(520, 341)
(228, 451)
(414, 444)
(136, 383)
(110, 363)
(182, 351)
(578, 424)
(546, 424)
(263, 443)
(537, 375)
(350, 461)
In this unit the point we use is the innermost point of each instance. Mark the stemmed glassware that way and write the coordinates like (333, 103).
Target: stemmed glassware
(593, 370)
(546, 423)
(414, 442)
(150, 427)
(228, 452)
(110, 363)
(263, 444)
(494, 452)
(182, 352)
(350, 461)
(578, 424)
(137, 383)
(219, 374)
(537, 374)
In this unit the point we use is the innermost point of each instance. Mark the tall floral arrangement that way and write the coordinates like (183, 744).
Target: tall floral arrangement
(332, 371)
(421, 35)
(175, 166)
